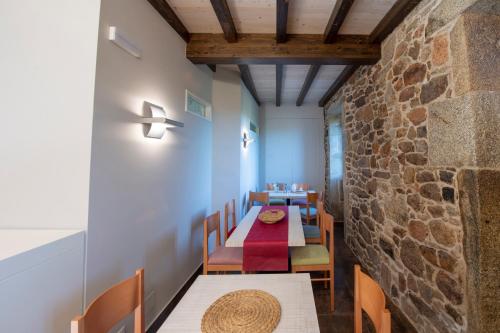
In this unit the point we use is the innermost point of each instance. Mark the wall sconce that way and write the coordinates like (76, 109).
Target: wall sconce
(157, 121)
(120, 40)
(246, 140)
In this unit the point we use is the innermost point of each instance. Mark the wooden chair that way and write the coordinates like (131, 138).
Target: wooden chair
(260, 197)
(112, 306)
(309, 212)
(229, 210)
(369, 296)
(222, 259)
(300, 202)
(313, 233)
(317, 257)
(278, 201)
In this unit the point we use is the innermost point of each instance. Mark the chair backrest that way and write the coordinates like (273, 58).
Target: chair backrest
(229, 211)
(210, 224)
(302, 186)
(112, 306)
(281, 187)
(261, 197)
(320, 211)
(312, 198)
(327, 224)
(270, 187)
(369, 296)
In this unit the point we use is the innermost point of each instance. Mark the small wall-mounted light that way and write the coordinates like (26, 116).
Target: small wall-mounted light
(246, 140)
(157, 121)
(119, 39)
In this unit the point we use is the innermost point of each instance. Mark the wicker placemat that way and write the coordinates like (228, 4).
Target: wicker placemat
(242, 311)
(271, 216)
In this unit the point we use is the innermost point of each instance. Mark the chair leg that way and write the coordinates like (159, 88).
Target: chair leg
(325, 275)
(332, 289)
(205, 270)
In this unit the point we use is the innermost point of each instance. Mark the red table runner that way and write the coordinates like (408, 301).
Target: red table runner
(266, 246)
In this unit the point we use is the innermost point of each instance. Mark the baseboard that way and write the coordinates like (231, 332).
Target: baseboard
(162, 316)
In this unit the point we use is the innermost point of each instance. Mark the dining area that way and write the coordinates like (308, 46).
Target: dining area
(260, 274)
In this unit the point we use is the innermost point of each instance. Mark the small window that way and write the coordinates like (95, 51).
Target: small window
(254, 128)
(197, 106)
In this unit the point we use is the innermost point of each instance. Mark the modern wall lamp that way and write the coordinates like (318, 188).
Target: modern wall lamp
(119, 39)
(157, 121)
(246, 140)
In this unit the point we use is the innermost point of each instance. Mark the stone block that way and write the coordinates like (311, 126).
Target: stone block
(451, 133)
(446, 11)
(477, 29)
(479, 198)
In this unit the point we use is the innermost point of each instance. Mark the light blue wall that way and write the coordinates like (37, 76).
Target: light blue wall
(148, 197)
(249, 156)
(292, 149)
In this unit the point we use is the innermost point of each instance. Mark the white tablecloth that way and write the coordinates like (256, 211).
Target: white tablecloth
(293, 291)
(295, 230)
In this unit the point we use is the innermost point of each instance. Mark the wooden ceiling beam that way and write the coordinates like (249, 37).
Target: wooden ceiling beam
(246, 77)
(263, 49)
(311, 74)
(223, 13)
(281, 20)
(169, 15)
(279, 83)
(392, 19)
(338, 16)
(338, 83)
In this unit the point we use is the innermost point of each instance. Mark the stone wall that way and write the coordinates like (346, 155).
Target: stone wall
(418, 125)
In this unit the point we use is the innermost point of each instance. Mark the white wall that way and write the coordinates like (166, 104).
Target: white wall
(41, 284)
(226, 119)
(235, 168)
(292, 149)
(47, 67)
(148, 197)
(249, 156)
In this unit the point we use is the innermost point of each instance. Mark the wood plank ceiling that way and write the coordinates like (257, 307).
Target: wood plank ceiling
(288, 51)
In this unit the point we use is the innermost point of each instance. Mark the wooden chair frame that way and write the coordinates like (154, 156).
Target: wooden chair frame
(211, 224)
(311, 198)
(229, 210)
(327, 268)
(319, 212)
(369, 296)
(262, 197)
(112, 306)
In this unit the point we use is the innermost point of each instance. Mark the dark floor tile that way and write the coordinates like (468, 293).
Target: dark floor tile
(342, 319)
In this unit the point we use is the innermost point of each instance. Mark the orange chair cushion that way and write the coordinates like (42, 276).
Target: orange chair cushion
(226, 256)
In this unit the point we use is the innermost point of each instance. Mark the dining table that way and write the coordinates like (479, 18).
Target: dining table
(293, 292)
(266, 246)
(295, 230)
(288, 194)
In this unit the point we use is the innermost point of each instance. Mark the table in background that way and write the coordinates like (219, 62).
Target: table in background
(293, 291)
(295, 230)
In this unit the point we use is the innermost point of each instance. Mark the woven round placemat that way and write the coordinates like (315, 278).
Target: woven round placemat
(242, 311)
(271, 216)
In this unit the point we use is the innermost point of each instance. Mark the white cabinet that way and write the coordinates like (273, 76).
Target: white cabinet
(41, 280)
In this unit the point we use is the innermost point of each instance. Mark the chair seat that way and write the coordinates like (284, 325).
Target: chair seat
(312, 212)
(226, 256)
(310, 255)
(299, 202)
(277, 202)
(311, 231)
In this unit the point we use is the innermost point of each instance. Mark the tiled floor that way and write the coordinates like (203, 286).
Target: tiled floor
(342, 319)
